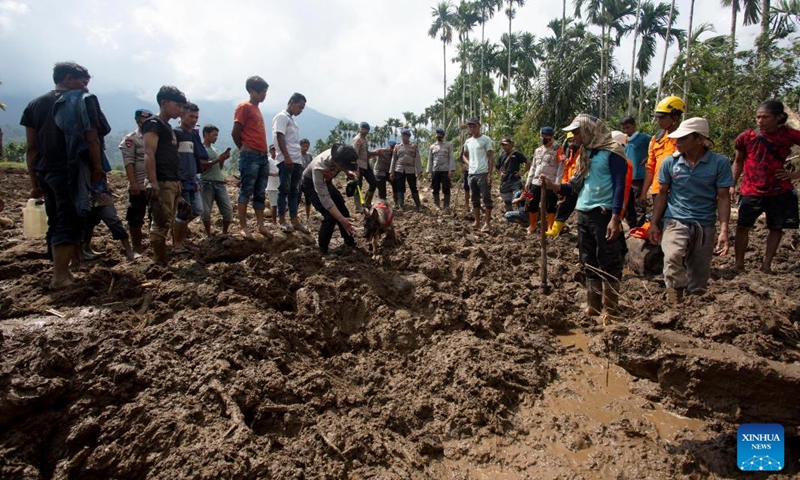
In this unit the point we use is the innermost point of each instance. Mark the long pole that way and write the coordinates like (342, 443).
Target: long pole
(666, 48)
(633, 56)
(543, 235)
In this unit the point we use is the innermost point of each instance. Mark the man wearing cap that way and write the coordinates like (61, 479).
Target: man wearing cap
(318, 186)
(637, 150)
(600, 184)
(695, 185)
(509, 164)
(406, 166)
(668, 116)
(162, 163)
(132, 148)
(381, 168)
(361, 145)
(441, 165)
(548, 161)
(480, 157)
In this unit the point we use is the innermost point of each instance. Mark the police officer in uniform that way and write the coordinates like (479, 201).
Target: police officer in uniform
(132, 148)
(406, 166)
(361, 145)
(441, 165)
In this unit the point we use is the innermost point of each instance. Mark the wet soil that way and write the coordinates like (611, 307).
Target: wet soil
(445, 357)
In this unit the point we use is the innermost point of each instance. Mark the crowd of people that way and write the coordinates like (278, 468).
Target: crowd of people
(176, 175)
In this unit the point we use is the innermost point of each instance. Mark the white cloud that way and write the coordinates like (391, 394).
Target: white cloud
(353, 59)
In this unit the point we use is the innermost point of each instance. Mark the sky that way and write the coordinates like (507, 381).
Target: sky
(362, 60)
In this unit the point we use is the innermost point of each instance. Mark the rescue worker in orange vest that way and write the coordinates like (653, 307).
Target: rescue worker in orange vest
(668, 116)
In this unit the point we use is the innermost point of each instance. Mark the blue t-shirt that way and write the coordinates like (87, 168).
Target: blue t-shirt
(693, 192)
(636, 151)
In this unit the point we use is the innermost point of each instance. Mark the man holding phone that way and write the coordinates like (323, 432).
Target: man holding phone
(213, 182)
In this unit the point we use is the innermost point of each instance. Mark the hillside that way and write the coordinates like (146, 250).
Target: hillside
(119, 108)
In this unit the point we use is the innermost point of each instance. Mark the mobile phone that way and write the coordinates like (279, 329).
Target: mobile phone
(228, 150)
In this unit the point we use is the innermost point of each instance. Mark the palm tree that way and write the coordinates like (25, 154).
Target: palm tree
(784, 17)
(751, 10)
(633, 55)
(763, 40)
(527, 56)
(688, 62)
(653, 23)
(487, 9)
(511, 13)
(666, 48)
(466, 17)
(443, 20)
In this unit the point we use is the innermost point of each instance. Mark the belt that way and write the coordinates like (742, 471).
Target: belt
(245, 148)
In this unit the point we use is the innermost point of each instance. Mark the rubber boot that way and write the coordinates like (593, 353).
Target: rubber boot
(594, 296)
(436, 200)
(551, 218)
(611, 298)
(417, 202)
(62, 256)
(447, 201)
(159, 246)
(675, 296)
(533, 222)
(555, 230)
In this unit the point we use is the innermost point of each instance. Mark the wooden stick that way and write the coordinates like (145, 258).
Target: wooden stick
(542, 234)
(55, 312)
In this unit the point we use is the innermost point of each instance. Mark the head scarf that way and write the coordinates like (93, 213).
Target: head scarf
(596, 136)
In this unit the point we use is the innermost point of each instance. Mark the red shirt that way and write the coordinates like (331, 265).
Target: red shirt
(254, 135)
(764, 158)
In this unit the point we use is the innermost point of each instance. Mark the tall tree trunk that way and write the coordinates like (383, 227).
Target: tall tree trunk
(563, 19)
(444, 83)
(687, 64)
(480, 77)
(763, 40)
(641, 96)
(666, 48)
(633, 56)
(602, 70)
(734, 12)
(508, 89)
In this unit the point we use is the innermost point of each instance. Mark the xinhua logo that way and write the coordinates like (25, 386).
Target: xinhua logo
(759, 447)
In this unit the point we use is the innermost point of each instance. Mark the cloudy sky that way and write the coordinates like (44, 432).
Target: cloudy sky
(364, 60)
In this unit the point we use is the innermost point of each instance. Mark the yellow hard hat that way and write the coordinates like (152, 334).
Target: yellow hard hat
(570, 135)
(671, 105)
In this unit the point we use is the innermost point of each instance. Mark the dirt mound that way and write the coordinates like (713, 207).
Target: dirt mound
(263, 359)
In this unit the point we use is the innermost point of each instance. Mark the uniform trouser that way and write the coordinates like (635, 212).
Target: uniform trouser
(565, 207)
(552, 199)
(441, 181)
(400, 180)
(380, 183)
(635, 214)
(688, 249)
(163, 208)
(601, 259)
(328, 222)
(368, 175)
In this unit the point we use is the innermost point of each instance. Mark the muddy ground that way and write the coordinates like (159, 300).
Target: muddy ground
(446, 358)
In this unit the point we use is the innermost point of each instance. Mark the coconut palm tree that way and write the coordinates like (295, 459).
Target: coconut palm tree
(653, 23)
(466, 17)
(633, 55)
(486, 9)
(442, 26)
(784, 17)
(687, 64)
(751, 9)
(511, 12)
(672, 15)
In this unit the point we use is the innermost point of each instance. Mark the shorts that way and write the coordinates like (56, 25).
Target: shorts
(781, 210)
(273, 198)
(481, 190)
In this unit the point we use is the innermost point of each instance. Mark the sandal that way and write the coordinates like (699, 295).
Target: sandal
(287, 227)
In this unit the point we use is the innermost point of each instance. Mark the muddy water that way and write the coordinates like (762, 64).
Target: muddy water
(587, 424)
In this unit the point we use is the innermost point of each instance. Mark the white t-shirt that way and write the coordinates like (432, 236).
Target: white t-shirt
(285, 124)
(274, 181)
(478, 149)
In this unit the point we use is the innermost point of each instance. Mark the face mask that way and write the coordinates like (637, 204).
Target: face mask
(546, 140)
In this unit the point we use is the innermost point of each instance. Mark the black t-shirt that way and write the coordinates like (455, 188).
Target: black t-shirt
(511, 165)
(167, 160)
(50, 141)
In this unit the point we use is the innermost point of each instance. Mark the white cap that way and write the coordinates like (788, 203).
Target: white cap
(693, 125)
(576, 124)
(619, 137)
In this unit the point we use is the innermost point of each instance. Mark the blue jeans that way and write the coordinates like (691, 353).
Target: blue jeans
(289, 189)
(64, 226)
(195, 200)
(216, 191)
(254, 173)
(108, 215)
